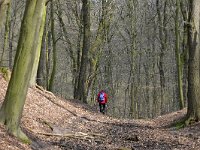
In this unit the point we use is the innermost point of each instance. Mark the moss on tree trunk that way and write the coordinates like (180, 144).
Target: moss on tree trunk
(3, 8)
(82, 83)
(38, 50)
(179, 62)
(12, 107)
(193, 113)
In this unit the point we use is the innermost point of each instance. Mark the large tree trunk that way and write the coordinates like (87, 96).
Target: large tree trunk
(82, 83)
(12, 107)
(193, 112)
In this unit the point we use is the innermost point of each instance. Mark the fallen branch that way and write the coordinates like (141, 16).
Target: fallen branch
(75, 135)
(45, 91)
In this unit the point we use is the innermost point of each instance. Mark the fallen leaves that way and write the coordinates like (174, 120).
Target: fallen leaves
(54, 123)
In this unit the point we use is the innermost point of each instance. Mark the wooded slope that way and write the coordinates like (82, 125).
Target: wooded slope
(54, 123)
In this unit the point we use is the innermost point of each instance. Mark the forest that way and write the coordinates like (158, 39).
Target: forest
(143, 53)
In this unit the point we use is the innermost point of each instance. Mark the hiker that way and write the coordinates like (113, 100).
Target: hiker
(102, 99)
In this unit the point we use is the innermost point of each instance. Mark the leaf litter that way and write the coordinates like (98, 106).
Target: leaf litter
(53, 123)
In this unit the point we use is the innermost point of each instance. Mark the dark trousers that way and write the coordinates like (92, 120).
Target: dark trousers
(102, 108)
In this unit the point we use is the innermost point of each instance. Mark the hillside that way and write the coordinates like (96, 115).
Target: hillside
(57, 124)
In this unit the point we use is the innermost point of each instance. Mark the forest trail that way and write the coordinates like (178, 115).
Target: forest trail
(57, 124)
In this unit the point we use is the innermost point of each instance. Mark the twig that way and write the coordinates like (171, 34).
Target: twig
(40, 87)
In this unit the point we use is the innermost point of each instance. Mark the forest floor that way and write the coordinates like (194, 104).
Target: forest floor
(53, 123)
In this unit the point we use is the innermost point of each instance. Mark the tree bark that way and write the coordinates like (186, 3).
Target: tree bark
(3, 8)
(38, 50)
(53, 73)
(6, 33)
(12, 107)
(82, 83)
(184, 56)
(48, 50)
(133, 89)
(163, 41)
(179, 62)
(41, 78)
(193, 111)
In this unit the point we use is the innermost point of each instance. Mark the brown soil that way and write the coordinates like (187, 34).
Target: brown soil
(53, 123)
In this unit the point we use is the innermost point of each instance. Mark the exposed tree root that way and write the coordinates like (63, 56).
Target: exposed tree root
(189, 120)
(183, 122)
(180, 123)
(17, 132)
(20, 135)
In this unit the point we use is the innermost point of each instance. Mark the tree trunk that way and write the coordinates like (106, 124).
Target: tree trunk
(185, 49)
(193, 111)
(133, 90)
(6, 33)
(41, 78)
(48, 50)
(82, 83)
(76, 76)
(3, 8)
(178, 57)
(38, 50)
(162, 36)
(53, 73)
(12, 107)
